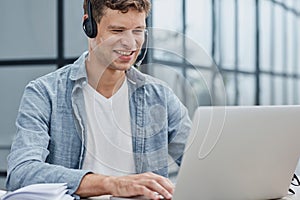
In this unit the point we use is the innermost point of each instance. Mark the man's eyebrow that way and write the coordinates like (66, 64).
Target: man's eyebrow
(116, 27)
(124, 28)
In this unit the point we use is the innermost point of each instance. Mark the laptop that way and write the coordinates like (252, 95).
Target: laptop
(240, 152)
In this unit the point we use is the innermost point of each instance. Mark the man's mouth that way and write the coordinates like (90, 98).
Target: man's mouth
(124, 53)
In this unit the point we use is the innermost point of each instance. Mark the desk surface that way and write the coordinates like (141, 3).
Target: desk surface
(288, 197)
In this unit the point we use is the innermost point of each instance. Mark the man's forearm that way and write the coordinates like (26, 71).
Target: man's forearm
(93, 185)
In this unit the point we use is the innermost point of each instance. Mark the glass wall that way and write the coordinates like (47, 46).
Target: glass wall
(254, 44)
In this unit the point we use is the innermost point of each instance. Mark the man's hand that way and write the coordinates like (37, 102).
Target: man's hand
(148, 184)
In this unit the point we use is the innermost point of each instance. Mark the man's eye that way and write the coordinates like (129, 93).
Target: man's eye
(117, 31)
(139, 31)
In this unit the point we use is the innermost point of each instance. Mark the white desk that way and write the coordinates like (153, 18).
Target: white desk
(288, 197)
(107, 197)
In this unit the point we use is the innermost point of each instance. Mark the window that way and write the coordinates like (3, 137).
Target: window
(253, 43)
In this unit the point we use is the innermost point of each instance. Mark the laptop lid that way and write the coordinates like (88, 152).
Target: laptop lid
(240, 153)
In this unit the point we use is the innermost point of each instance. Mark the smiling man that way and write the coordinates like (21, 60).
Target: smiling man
(99, 124)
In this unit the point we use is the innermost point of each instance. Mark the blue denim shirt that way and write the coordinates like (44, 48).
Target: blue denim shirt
(49, 146)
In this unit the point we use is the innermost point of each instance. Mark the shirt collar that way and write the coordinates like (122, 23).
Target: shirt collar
(78, 69)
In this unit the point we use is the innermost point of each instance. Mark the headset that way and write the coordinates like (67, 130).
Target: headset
(90, 28)
(89, 24)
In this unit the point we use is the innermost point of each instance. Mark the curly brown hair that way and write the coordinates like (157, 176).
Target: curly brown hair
(99, 6)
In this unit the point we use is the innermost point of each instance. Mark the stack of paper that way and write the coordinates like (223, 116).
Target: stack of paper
(51, 191)
(2, 192)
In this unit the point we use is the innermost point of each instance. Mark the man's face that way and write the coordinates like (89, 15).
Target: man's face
(119, 39)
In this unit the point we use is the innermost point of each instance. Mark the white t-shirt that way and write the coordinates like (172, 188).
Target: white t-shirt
(109, 141)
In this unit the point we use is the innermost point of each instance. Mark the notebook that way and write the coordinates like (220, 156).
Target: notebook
(42, 191)
(242, 152)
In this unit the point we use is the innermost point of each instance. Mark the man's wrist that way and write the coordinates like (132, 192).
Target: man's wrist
(94, 185)
(108, 184)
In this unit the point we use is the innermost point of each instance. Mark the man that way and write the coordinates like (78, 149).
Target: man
(100, 125)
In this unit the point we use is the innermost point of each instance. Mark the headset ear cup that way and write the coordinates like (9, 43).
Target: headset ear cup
(89, 24)
(90, 27)
(95, 31)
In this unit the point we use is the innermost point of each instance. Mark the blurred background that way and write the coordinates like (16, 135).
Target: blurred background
(228, 52)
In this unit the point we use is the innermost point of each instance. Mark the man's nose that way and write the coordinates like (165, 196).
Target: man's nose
(128, 40)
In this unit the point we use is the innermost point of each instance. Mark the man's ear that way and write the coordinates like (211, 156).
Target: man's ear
(84, 17)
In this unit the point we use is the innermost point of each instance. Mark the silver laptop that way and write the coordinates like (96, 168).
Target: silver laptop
(240, 153)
